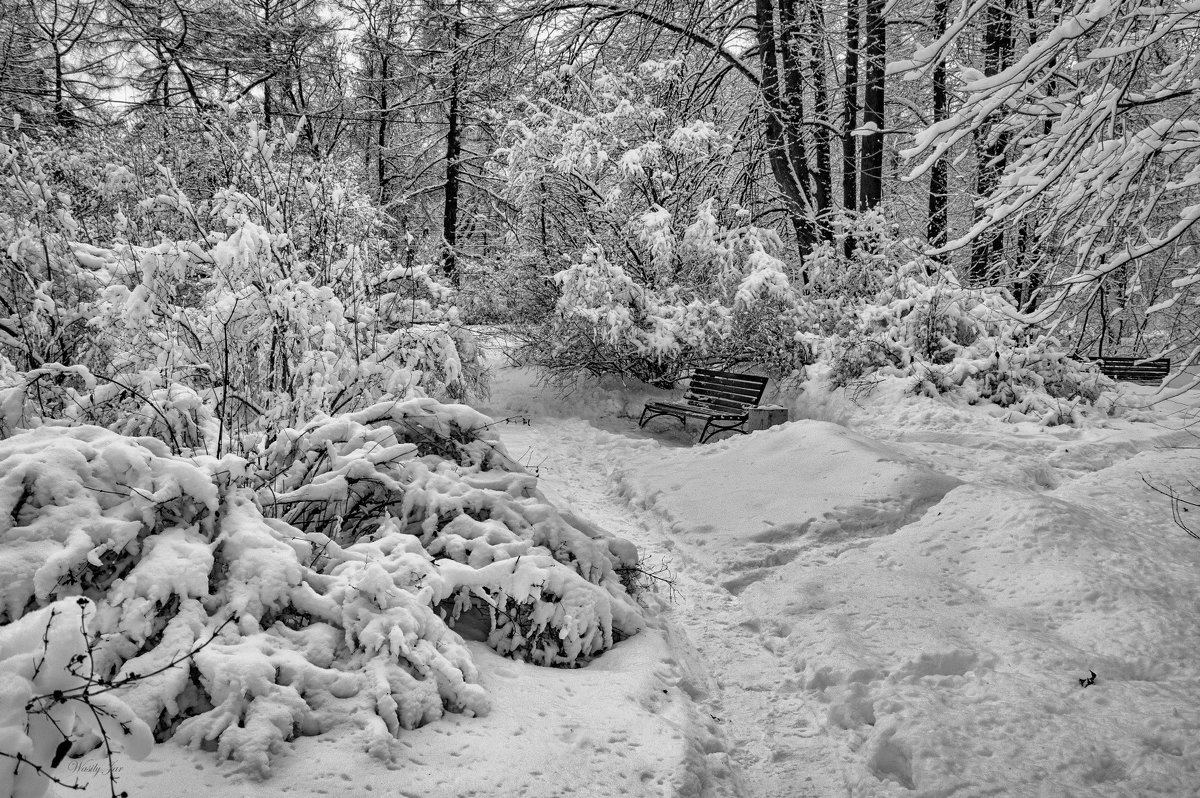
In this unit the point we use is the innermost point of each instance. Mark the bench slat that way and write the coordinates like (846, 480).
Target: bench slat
(694, 392)
(743, 388)
(735, 375)
(729, 376)
(698, 412)
(716, 396)
(1133, 369)
(1129, 361)
(745, 384)
(721, 390)
(720, 407)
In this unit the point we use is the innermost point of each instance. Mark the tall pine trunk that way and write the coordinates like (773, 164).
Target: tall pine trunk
(450, 209)
(381, 133)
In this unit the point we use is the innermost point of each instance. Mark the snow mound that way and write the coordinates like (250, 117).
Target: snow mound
(797, 482)
(949, 655)
(946, 657)
(925, 635)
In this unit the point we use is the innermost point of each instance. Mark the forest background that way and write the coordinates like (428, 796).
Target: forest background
(531, 157)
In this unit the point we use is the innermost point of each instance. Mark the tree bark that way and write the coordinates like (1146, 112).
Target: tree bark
(793, 95)
(850, 116)
(822, 133)
(871, 193)
(987, 252)
(453, 157)
(785, 158)
(267, 109)
(381, 134)
(937, 228)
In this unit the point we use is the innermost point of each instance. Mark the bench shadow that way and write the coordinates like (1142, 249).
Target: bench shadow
(667, 432)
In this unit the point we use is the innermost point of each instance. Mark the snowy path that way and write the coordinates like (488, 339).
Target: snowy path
(573, 461)
(733, 671)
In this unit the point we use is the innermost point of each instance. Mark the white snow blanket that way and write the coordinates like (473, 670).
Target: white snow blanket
(901, 603)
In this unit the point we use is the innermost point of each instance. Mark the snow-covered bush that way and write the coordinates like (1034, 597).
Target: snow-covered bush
(220, 440)
(924, 324)
(642, 271)
(746, 311)
(317, 581)
(874, 252)
(266, 302)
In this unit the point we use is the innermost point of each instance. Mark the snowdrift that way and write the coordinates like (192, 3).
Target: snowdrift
(900, 632)
(807, 480)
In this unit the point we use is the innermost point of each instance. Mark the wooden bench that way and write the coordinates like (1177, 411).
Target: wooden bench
(722, 398)
(1132, 369)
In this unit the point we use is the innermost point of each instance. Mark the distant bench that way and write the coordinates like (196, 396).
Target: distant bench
(722, 398)
(1133, 369)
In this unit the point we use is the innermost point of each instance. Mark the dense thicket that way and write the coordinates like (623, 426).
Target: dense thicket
(444, 115)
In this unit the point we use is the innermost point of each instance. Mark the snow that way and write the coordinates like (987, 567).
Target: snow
(805, 480)
(888, 595)
(44, 695)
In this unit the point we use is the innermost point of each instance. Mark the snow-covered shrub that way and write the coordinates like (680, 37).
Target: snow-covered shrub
(437, 472)
(641, 270)
(318, 581)
(260, 304)
(427, 328)
(875, 250)
(45, 288)
(924, 324)
(729, 301)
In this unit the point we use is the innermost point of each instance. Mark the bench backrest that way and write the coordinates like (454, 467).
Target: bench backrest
(725, 390)
(1134, 369)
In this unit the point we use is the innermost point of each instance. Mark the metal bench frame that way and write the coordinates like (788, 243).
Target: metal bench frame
(722, 398)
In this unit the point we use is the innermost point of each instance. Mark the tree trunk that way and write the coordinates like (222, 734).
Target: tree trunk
(368, 78)
(780, 153)
(62, 115)
(453, 156)
(822, 133)
(1029, 280)
(1025, 292)
(937, 229)
(850, 117)
(381, 135)
(793, 97)
(987, 252)
(267, 65)
(873, 112)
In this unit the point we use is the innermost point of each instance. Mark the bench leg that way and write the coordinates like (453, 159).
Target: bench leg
(705, 434)
(646, 418)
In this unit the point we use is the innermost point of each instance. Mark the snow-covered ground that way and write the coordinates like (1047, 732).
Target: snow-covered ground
(894, 597)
